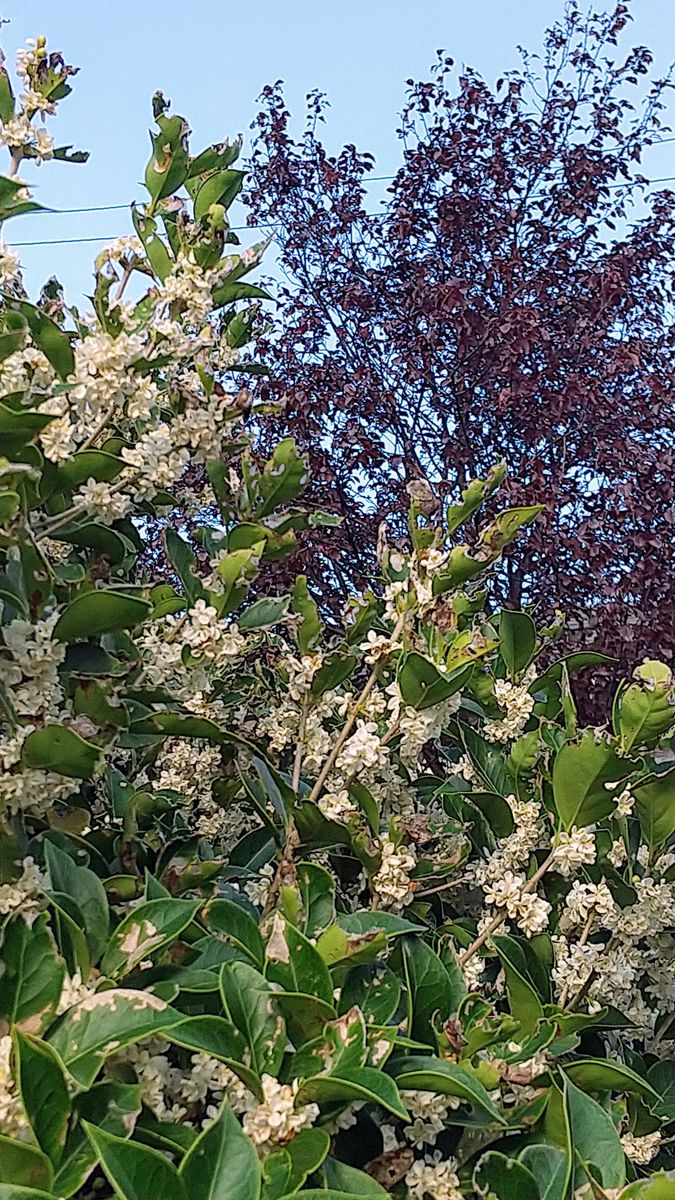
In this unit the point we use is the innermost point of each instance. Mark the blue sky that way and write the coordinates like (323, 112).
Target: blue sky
(212, 59)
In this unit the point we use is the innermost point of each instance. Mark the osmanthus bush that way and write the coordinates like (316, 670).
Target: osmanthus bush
(289, 909)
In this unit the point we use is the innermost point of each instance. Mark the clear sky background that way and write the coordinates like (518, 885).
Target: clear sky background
(213, 57)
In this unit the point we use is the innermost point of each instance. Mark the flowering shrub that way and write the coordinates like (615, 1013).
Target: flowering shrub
(289, 908)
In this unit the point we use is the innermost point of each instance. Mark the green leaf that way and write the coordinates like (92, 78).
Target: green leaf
(211, 1035)
(369, 922)
(86, 890)
(661, 1079)
(594, 1138)
(84, 465)
(102, 610)
(234, 923)
(549, 1167)
(517, 640)
(250, 1005)
(59, 748)
(431, 996)
(335, 669)
(307, 1150)
(263, 613)
(340, 1049)
(169, 162)
(111, 1105)
(183, 561)
(375, 989)
(644, 709)
(365, 1083)
(429, 1074)
(222, 1162)
(655, 808)
(504, 1178)
(422, 684)
(474, 495)
(295, 964)
(524, 1002)
(44, 1094)
(12, 1191)
(347, 1179)
(101, 1024)
(19, 427)
(144, 931)
(135, 1172)
(21, 1164)
(580, 772)
(32, 975)
(282, 479)
(317, 896)
(50, 339)
(308, 632)
(659, 1186)
(604, 1075)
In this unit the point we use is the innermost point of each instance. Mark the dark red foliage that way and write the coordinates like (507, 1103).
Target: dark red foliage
(512, 298)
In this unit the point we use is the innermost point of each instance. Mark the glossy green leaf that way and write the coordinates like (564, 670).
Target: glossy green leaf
(295, 964)
(135, 1172)
(517, 640)
(550, 1169)
(365, 1084)
(87, 891)
(233, 922)
(604, 1075)
(431, 995)
(580, 772)
(110, 1105)
(102, 610)
(106, 1022)
(144, 931)
(655, 808)
(594, 1138)
(427, 1073)
(263, 613)
(222, 1162)
(250, 1006)
(504, 1178)
(348, 1179)
(44, 1094)
(31, 973)
(59, 748)
(24, 1165)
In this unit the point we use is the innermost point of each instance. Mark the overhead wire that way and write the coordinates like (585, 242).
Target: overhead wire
(244, 228)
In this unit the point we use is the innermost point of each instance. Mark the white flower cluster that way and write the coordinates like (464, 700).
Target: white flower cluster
(391, 883)
(573, 850)
(434, 1177)
(23, 896)
(192, 1095)
(517, 703)
(430, 1112)
(278, 1117)
(530, 911)
(641, 1150)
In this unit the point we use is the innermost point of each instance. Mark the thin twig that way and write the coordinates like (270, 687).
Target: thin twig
(300, 746)
(351, 719)
(501, 916)
(98, 429)
(590, 978)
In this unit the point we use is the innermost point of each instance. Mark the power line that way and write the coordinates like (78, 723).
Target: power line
(58, 212)
(245, 228)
